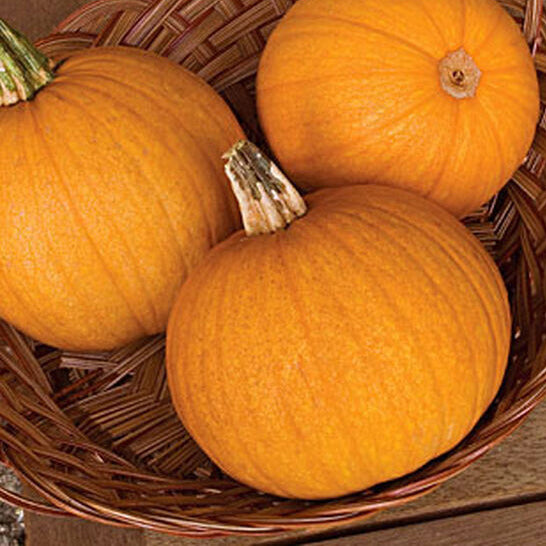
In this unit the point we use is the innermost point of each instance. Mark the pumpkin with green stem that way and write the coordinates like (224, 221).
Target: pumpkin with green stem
(112, 190)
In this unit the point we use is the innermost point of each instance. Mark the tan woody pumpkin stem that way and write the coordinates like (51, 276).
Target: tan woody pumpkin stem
(267, 199)
(459, 74)
(23, 69)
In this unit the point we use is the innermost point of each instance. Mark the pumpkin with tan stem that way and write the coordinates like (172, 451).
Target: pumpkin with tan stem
(439, 97)
(112, 189)
(349, 349)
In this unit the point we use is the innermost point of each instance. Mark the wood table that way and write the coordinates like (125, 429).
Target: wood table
(498, 501)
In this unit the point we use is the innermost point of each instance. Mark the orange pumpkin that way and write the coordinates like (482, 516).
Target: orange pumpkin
(437, 97)
(349, 349)
(112, 190)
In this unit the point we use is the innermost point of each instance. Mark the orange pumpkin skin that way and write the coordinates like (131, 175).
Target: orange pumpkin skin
(353, 347)
(112, 190)
(349, 92)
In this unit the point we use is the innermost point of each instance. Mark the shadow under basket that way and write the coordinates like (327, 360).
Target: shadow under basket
(95, 435)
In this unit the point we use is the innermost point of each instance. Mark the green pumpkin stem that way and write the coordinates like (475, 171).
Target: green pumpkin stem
(267, 199)
(23, 69)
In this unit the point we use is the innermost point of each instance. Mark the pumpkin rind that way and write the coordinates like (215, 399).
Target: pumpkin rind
(351, 92)
(350, 349)
(112, 190)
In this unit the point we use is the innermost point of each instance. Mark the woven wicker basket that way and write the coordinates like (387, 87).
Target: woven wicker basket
(95, 434)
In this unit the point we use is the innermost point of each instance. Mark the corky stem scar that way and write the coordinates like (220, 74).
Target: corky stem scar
(459, 74)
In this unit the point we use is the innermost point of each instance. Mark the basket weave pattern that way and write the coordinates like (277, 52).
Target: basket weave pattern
(96, 434)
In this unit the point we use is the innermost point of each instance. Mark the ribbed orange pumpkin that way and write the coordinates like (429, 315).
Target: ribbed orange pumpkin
(112, 189)
(349, 349)
(435, 96)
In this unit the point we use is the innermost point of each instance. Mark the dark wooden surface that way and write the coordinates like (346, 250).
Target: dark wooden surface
(37, 18)
(523, 525)
(500, 500)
